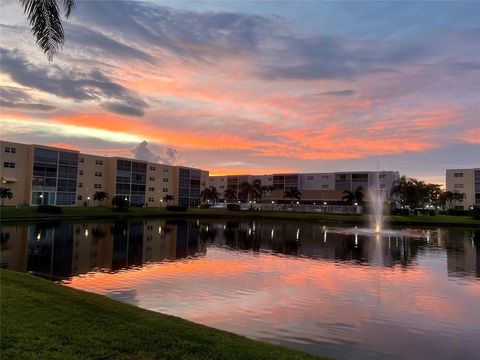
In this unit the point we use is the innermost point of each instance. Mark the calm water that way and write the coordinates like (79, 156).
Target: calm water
(343, 293)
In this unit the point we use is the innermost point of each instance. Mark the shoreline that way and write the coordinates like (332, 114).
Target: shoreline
(45, 320)
(30, 214)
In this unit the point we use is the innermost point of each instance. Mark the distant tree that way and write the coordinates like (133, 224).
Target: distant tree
(168, 198)
(5, 193)
(46, 22)
(450, 198)
(230, 195)
(359, 195)
(100, 196)
(209, 194)
(264, 190)
(292, 194)
(250, 191)
(120, 203)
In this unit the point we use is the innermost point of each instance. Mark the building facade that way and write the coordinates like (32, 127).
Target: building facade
(38, 174)
(315, 187)
(465, 181)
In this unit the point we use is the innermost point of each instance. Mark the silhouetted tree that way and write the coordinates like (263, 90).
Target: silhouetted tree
(5, 193)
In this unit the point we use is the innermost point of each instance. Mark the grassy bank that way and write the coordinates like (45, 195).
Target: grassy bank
(31, 214)
(43, 320)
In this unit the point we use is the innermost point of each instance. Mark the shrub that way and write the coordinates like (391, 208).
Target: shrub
(456, 212)
(49, 209)
(204, 206)
(476, 212)
(119, 203)
(176, 208)
(234, 207)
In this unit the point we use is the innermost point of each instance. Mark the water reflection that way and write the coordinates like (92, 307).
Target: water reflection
(62, 250)
(338, 292)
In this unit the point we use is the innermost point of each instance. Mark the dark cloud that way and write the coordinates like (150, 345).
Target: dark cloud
(165, 155)
(96, 42)
(17, 98)
(76, 85)
(339, 93)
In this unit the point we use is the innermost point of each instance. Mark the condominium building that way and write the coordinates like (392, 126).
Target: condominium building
(38, 174)
(465, 181)
(313, 186)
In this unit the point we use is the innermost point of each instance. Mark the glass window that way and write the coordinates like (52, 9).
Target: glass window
(8, 164)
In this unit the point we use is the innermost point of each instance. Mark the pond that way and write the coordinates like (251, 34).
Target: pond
(338, 292)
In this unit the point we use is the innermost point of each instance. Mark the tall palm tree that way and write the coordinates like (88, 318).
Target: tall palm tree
(5, 193)
(230, 195)
(46, 22)
(292, 194)
(264, 190)
(100, 196)
(209, 193)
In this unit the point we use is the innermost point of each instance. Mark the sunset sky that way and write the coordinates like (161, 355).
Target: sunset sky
(253, 87)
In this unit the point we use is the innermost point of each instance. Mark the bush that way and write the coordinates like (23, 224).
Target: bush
(119, 203)
(456, 212)
(176, 208)
(234, 207)
(476, 212)
(204, 206)
(402, 212)
(49, 209)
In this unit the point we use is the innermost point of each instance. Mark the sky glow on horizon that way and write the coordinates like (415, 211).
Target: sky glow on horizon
(254, 87)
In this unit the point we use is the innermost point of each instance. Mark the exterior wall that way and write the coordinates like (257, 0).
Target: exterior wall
(17, 178)
(40, 174)
(189, 182)
(92, 177)
(465, 181)
(314, 186)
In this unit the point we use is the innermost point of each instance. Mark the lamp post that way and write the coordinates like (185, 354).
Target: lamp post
(41, 199)
(88, 200)
(324, 207)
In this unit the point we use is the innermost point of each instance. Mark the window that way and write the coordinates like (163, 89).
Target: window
(81, 160)
(98, 162)
(222, 187)
(310, 177)
(458, 174)
(79, 197)
(10, 165)
(151, 189)
(152, 168)
(165, 179)
(98, 173)
(10, 150)
(325, 176)
(458, 186)
(324, 186)
(151, 178)
(80, 172)
(165, 190)
(80, 185)
(151, 199)
(165, 169)
(381, 176)
(97, 186)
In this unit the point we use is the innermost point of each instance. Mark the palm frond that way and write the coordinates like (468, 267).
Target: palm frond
(69, 6)
(46, 23)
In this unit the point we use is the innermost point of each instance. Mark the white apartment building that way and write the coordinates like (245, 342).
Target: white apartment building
(465, 181)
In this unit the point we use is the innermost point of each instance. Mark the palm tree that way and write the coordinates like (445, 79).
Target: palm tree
(119, 202)
(168, 198)
(292, 193)
(209, 193)
(100, 196)
(215, 195)
(264, 190)
(348, 197)
(250, 191)
(5, 193)
(46, 23)
(230, 195)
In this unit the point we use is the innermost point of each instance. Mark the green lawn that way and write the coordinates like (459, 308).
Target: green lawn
(31, 213)
(43, 320)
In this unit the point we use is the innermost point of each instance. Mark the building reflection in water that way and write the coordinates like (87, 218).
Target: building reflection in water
(62, 250)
